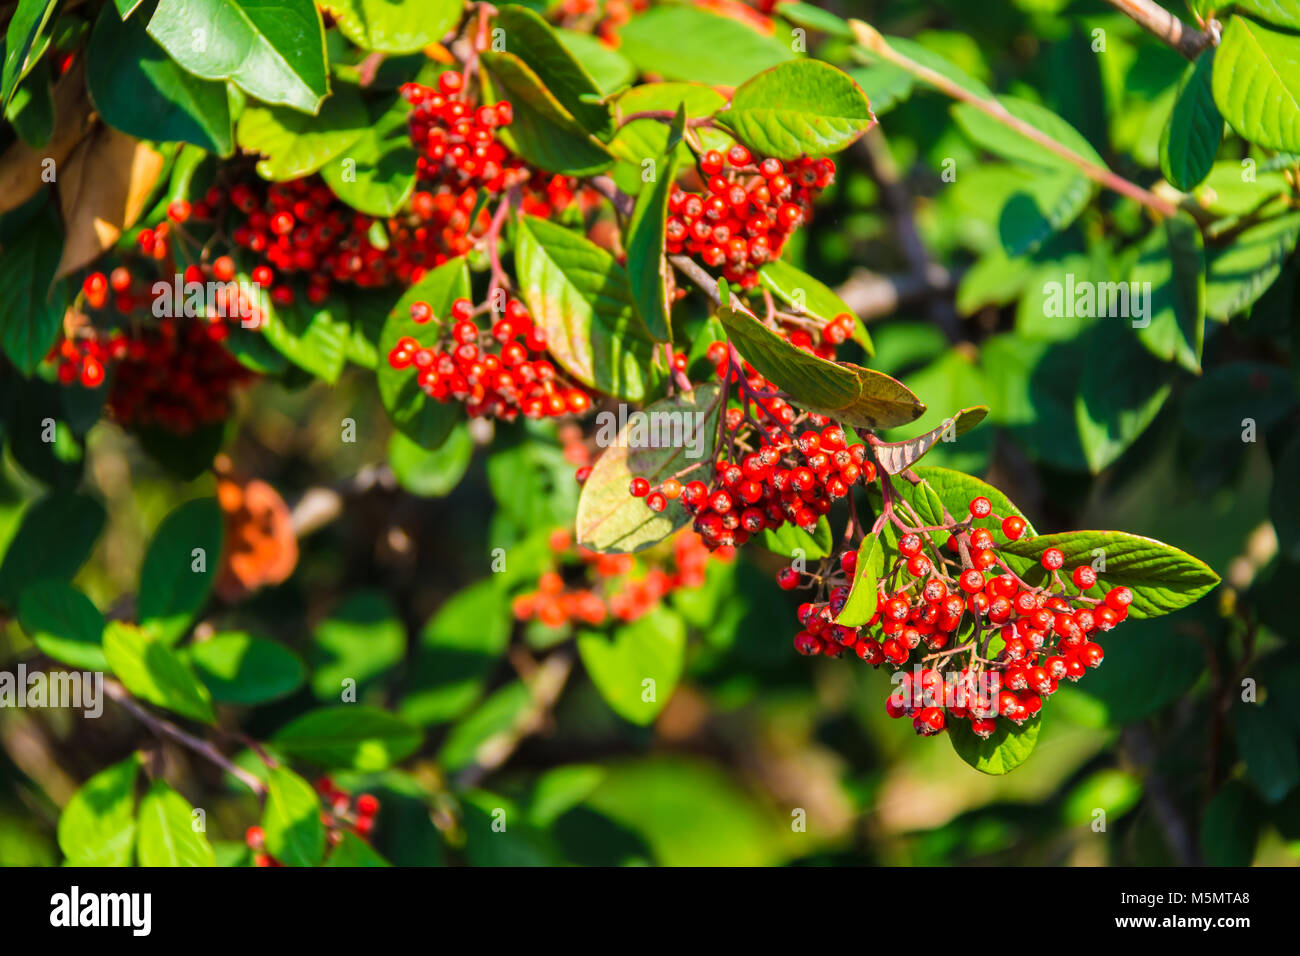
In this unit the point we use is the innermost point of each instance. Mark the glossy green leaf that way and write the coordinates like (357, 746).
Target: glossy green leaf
(1004, 141)
(273, 51)
(806, 294)
(97, 825)
(312, 337)
(54, 539)
(33, 305)
(542, 131)
(387, 27)
(1161, 577)
(1256, 83)
(22, 36)
(179, 567)
(1006, 749)
(790, 540)
(645, 246)
(167, 834)
(352, 852)
(861, 602)
(610, 69)
(664, 440)
(683, 42)
(799, 108)
(1285, 13)
(849, 394)
(637, 669)
(1042, 207)
(1242, 271)
(895, 457)
(63, 623)
(294, 144)
(1191, 137)
(417, 416)
(376, 173)
(31, 111)
(493, 720)
(155, 673)
(1122, 391)
(238, 668)
(295, 835)
(431, 474)
(139, 90)
(349, 735)
(360, 640)
(1172, 260)
(579, 296)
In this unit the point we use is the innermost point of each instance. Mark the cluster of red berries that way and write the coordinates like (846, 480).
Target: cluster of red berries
(500, 372)
(1045, 633)
(339, 812)
(617, 591)
(748, 213)
(780, 477)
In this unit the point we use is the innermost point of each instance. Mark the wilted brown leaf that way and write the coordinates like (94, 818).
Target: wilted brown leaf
(102, 191)
(21, 166)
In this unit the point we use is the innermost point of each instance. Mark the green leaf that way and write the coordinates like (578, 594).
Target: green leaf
(1172, 260)
(1004, 141)
(1191, 138)
(312, 337)
(431, 474)
(167, 834)
(492, 720)
(174, 580)
(295, 144)
(1256, 84)
(295, 835)
(898, 456)
(32, 307)
(931, 60)
(1006, 749)
(349, 735)
(662, 441)
(1242, 271)
(63, 623)
(1044, 206)
(1270, 757)
(1149, 665)
(97, 825)
(458, 648)
(645, 247)
(417, 416)
(273, 51)
(139, 90)
(885, 86)
(790, 538)
(1161, 577)
(126, 7)
(683, 42)
(799, 108)
(154, 672)
(1232, 823)
(238, 668)
(851, 395)
(31, 111)
(537, 45)
(1285, 13)
(387, 27)
(353, 852)
(21, 38)
(579, 296)
(942, 488)
(814, 18)
(542, 131)
(1122, 391)
(637, 670)
(53, 541)
(1284, 506)
(806, 294)
(360, 640)
(375, 174)
(642, 139)
(861, 603)
(610, 69)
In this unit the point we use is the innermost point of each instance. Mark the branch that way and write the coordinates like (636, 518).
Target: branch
(319, 506)
(165, 728)
(876, 43)
(1160, 23)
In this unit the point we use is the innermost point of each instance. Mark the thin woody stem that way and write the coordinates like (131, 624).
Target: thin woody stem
(1160, 23)
(876, 43)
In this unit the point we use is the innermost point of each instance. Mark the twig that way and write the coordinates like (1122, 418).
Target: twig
(876, 43)
(319, 506)
(165, 728)
(1160, 23)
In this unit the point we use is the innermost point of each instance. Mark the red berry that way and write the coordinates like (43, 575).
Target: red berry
(1052, 559)
(1084, 577)
(788, 579)
(1118, 599)
(639, 488)
(1013, 526)
(981, 507)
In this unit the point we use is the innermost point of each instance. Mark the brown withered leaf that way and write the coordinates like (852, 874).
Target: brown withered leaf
(103, 187)
(21, 166)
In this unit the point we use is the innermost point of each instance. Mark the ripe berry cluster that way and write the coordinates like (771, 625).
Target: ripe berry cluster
(501, 372)
(617, 586)
(749, 211)
(1025, 639)
(781, 465)
(339, 813)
